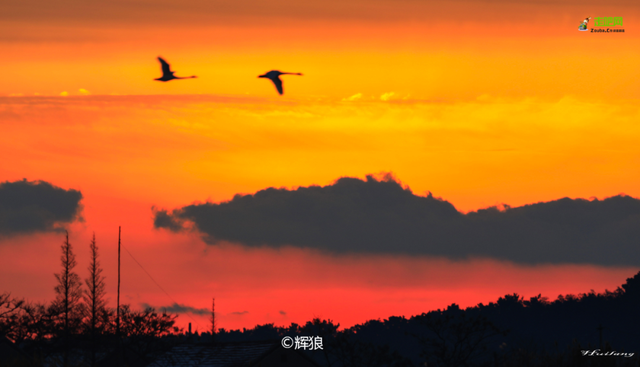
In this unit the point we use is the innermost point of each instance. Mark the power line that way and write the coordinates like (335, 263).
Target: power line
(165, 292)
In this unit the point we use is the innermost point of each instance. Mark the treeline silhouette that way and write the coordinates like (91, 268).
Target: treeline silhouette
(78, 329)
(511, 332)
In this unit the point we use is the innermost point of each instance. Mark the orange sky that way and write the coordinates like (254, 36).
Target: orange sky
(257, 286)
(479, 103)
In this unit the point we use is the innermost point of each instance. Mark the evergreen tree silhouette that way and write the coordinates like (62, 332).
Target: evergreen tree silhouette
(94, 296)
(68, 292)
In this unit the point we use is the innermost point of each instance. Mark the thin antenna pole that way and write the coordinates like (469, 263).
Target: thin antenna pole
(118, 302)
(600, 332)
(213, 320)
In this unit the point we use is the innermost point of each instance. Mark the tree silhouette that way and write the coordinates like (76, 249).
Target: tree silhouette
(94, 294)
(351, 352)
(68, 293)
(146, 323)
(144, 330)
(68, 290)
(9, 314)
(632, 287)
(458, 338)
(94, 297)
(328, 331)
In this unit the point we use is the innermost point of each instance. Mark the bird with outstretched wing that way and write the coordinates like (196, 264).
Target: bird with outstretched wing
(274, 76)
(167, 74)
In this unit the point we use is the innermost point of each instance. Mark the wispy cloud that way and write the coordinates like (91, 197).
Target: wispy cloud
(353, 97)
(387, 96)
(180, 309)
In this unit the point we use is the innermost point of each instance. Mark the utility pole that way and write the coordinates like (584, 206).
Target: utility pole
(119, 340)
(213, 320)
(118, 301)
(600, 332)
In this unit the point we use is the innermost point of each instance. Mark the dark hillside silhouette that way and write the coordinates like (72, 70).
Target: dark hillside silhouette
(458, 338)
(510, 332)
(591, 329)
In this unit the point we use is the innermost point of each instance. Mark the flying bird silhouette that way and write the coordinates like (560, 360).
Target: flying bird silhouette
(274, 76)
(167, 74)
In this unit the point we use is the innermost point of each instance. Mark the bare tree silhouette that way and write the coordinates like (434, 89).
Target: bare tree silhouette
(94, 296)
(9, 314)
(9, 304)
(68, 292)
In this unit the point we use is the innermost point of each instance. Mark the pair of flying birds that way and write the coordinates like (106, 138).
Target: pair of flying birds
(273, 75)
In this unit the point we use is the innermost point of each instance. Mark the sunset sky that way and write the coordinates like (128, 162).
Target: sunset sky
(480, 103)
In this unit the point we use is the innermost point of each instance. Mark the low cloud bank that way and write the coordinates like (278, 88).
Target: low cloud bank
(379, 215)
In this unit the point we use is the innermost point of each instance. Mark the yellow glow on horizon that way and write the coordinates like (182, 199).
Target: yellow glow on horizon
(472, 153)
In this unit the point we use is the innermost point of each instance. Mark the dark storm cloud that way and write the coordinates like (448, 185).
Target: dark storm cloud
(381, 216)
(27, 207)
(162, 219)
(178, 308)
